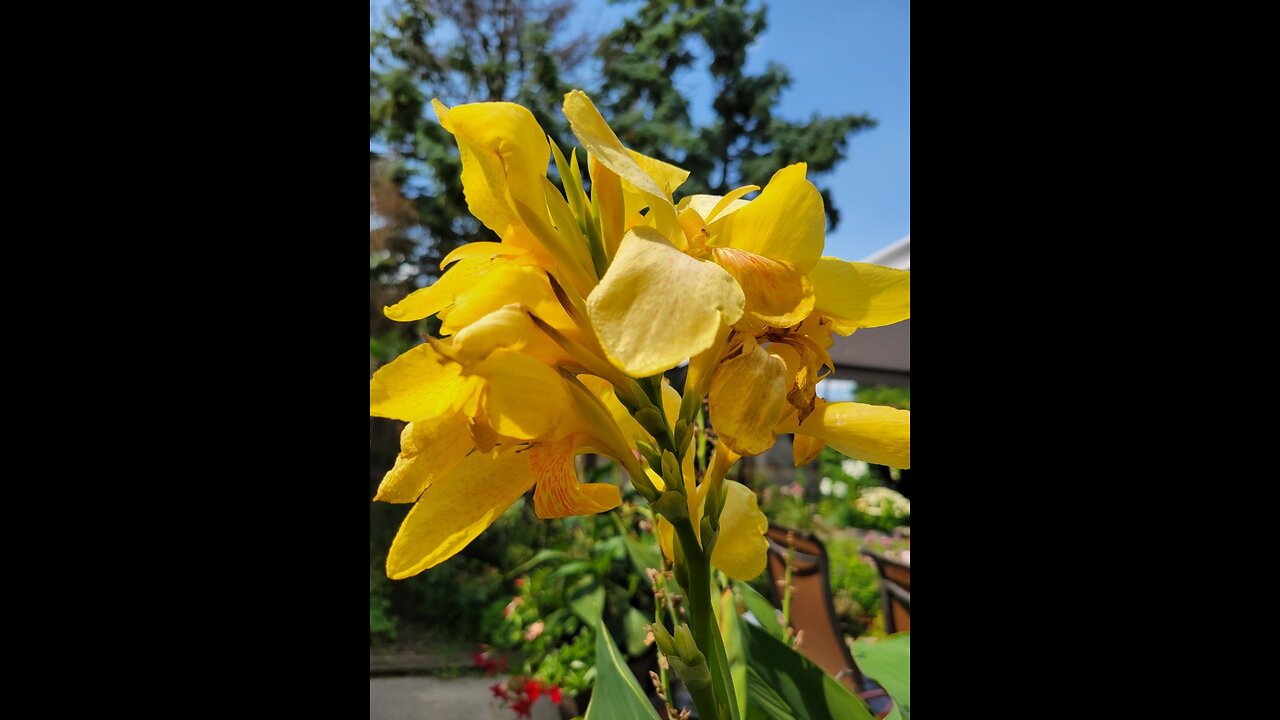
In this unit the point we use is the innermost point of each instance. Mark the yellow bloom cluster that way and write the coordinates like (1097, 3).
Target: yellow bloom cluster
(555, 339)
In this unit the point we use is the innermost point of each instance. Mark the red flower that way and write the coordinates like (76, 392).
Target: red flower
(521, 706)
(479, 659)
(533, 688)
(554, 692)
(519, 582)
(499, 691)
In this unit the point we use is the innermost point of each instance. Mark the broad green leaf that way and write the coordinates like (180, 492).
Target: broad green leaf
(770, 618)
(617, 695)
(586, 599)
(784, 685)
(636, 626)
(731, 631)
(888, 662)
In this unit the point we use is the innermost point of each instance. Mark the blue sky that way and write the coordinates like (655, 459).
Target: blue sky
(844, 56)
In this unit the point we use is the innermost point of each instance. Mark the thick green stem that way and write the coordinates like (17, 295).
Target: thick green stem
(702, 620)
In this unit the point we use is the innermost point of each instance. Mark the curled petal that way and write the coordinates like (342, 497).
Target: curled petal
(507, 328)
(706, 205)
(786, 222)
(805, 449)
(456, 508)
(741, 550)
(873, 433)
(860, 295)
(747, 396)
(656, 306)
(558, 493)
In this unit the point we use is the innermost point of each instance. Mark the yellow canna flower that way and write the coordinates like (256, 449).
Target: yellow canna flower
(552, 337)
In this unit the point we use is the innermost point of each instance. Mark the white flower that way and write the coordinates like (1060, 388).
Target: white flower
(824, 486)
(871, 501)
(840, 489)
(855, 468)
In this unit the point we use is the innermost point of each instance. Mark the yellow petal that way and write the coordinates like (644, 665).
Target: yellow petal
(730, 202)
(777, 293)
(671, 404)
(487, 250)
(786, 222)
(874, 433)
(504, 285)
(741, 550)
(558, 493)
(504, 154)
(860, 295)
(607, 197)
(666, 537)
(603, 145)
(524, 399)
(657, 306)
(507, 328)
(428, 451)
(419, 384)
(456, 508)
(805, 449)
(804, 360)
(440, 294)
(747, 396)
(667, 176)
(482, 434)
(704, 205)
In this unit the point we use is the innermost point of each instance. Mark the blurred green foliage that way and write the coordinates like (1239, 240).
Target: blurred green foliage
(541, 624)
(891, 395)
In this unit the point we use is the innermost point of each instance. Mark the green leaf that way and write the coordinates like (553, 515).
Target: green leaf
(617, 694)
(888, 662)
(784, 685)
(732, 635)
(636, 626)
(569, 568)
(586, 599)
(643, 555)
(770, 618)
(540, 557)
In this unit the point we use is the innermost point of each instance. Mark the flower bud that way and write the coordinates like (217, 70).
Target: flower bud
(673, 506)
(650, 455)
(671, 473)
(650, 419)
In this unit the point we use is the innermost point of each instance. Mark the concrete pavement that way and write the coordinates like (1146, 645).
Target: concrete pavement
(432, 698)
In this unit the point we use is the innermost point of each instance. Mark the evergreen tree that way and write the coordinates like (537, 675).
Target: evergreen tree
(746, 143)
